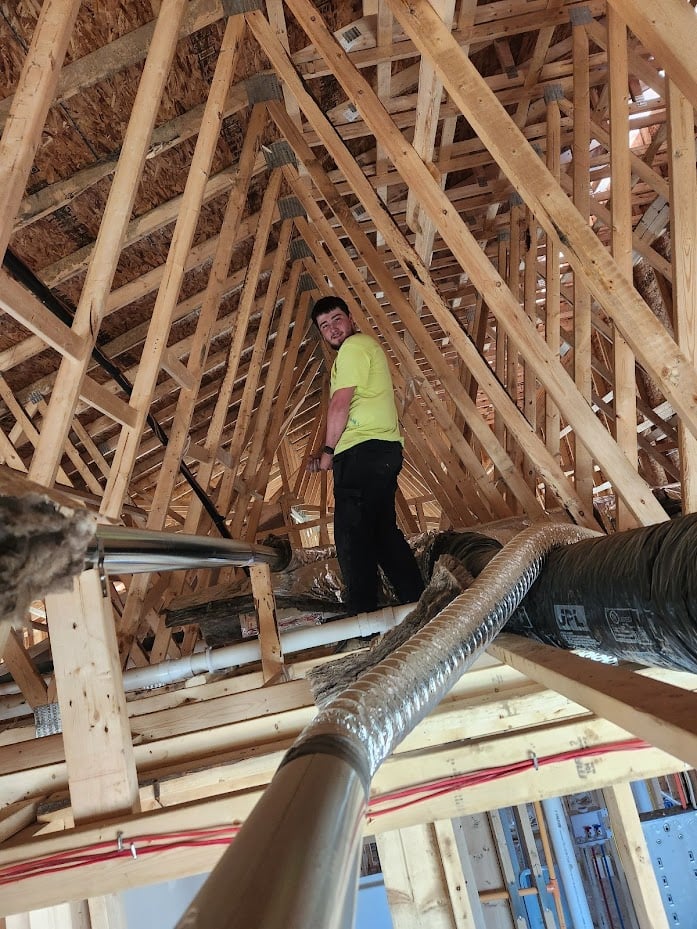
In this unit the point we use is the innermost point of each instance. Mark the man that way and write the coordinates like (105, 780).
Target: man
(363, 446)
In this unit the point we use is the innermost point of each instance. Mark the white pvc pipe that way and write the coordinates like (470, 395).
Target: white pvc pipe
(567, 865)
(231, 656)
(642, 797)
(295, 640)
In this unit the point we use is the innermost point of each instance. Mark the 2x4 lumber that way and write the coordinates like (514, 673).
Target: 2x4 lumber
(420, 274)
(168, 293)
(200, 812)
(27, 309)
(117, 212)
(427, 113)
(271, 651)
(552, 290)
(636, 861)
(243, 422)
(670, 33)
(237, 340)
(128, 50)
(428, 105)
(415, 268)
(533, 180)
(683, 230)
(30, 105)
(96, 734)
(107, 912)
(22, 668)
(660, 713)
(423, 877)
(17, 816)
(491, 502)
(99, 397)
(621, 241)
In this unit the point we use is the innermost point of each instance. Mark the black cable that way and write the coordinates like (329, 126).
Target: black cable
(62, 311)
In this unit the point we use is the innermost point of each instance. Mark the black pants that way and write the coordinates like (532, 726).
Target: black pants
(365, 525)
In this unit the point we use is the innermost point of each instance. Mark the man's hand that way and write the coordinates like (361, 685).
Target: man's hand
(320, 461)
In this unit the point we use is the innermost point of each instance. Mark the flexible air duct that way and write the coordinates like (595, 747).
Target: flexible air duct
(294, 862)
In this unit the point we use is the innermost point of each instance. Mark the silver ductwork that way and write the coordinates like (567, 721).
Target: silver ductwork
(119, 550)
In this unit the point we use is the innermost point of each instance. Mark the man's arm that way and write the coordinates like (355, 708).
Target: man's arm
(337, 417)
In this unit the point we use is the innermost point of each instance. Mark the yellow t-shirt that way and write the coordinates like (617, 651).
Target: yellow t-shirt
(362, 364)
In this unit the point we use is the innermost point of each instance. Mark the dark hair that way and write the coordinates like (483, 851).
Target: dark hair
(326, 305)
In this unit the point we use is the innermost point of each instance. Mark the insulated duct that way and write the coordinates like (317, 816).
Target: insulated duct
(320, 790)
(630, 596)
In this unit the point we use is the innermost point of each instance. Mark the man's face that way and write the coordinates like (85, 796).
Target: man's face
(335, 327)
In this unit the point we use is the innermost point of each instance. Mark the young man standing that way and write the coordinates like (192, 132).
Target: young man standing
(363, 446)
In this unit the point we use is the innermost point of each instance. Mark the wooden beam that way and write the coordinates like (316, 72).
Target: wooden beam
(623, 358)
(670, 33)
(649, 339)
(683, 230)
(662, 714)
(22, 668)
(583, 457)
(168, 293)
(30, 105)
(27, 309)
(99, 397)
(424, 888)
(90, 309)
(96, 735)
(634, 855)
(271, 651)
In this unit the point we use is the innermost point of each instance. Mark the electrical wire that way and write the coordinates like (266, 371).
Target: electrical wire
(429, 790)
(99, 852)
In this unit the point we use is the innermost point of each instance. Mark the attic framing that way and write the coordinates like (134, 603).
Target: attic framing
(506, 195)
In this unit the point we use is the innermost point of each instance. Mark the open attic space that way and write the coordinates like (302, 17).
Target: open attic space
(505, 194)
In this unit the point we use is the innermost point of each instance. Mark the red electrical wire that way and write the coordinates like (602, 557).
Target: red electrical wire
(433, 789)
(148, 844)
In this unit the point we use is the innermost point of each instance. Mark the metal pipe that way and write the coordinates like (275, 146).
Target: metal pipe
(567, 865)
(119, 550)
(309, 822)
